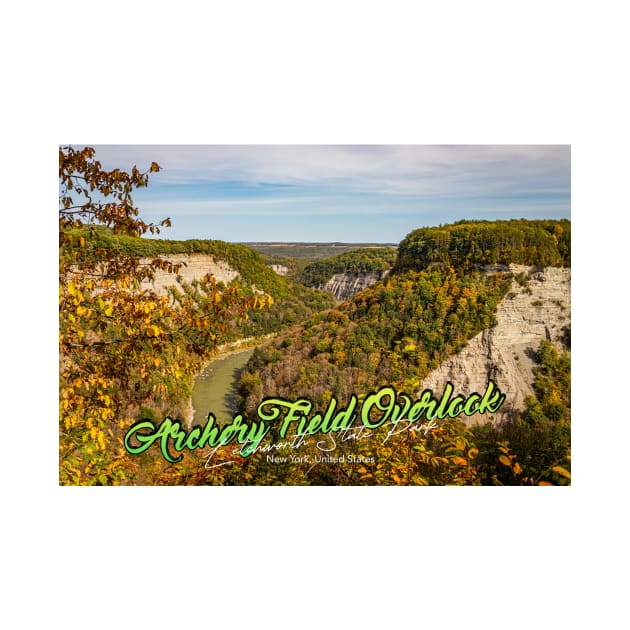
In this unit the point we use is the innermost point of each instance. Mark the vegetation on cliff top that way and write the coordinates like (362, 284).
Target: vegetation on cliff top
(371, 260)
(292, 302)
(467, 244)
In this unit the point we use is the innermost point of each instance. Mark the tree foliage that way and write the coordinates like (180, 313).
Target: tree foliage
(368, 260)
(467, 244)
(292, 302)
(394, 332)
(397, 331)
(535, 447)
(127, 352)
(121, 345)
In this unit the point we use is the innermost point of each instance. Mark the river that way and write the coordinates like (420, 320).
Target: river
(215, 387)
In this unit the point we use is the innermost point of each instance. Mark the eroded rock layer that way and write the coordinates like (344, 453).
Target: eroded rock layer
(505, 353)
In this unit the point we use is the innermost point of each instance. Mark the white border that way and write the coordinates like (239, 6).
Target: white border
(276, 72)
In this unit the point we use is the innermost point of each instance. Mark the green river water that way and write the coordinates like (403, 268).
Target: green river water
(215, 387)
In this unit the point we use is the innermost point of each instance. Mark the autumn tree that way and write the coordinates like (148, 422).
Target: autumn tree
(121, 345)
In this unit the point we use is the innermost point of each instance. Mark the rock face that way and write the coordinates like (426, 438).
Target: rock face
(505, 352)
(345, 285)
(196, 267)
(281, 270)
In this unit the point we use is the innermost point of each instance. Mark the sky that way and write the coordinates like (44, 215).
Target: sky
(344, 193)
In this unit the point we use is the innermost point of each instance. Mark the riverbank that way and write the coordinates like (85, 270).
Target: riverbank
(232, 347)
(214, 387)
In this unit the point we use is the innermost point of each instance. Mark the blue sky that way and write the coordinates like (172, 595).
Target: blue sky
(349, 193)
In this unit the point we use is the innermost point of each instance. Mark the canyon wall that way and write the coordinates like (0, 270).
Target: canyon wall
(195, 268)
(505, 352)
(345, 285)
(281, 270)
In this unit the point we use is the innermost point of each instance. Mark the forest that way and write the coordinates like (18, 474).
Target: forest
(376, 259)
(398, 330)
(392, 333)
(127, 353)
(467, 244)
(533, 448)
(292, 302)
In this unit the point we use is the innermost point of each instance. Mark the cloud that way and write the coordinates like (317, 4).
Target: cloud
(398, 169)
(271, 192)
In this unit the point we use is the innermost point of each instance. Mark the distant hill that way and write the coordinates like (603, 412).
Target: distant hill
(312, 251)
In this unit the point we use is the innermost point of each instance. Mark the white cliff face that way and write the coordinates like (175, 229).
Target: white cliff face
(281, 270)
(504, 353)
(345, 285)
(195, 268)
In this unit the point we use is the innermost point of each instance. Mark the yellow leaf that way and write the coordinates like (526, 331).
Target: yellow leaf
(544, 483)
(563, 472)
(505, 460)
(72, 288)
(517, 468)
